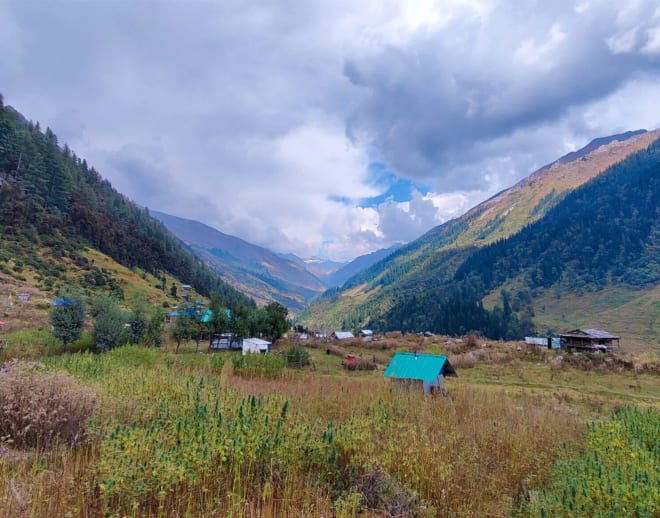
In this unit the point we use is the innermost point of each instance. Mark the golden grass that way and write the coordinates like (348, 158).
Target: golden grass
(42, 409)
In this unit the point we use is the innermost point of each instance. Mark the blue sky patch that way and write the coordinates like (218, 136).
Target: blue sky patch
(398, 189)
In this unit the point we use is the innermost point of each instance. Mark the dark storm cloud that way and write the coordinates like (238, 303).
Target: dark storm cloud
(434, 103)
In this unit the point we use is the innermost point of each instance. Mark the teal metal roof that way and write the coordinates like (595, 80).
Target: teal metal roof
(425, 367)
(208, 315)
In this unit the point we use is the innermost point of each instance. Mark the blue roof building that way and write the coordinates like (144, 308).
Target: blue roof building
(429, 370)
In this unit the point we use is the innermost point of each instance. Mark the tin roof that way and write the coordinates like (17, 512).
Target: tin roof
(256, 341)
(425, 367)
(591, 333)
(343, 335)
(207, 316)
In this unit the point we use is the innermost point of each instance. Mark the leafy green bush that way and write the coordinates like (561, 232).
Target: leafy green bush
(296, 357)
(84, 344)
(109, 323)
(67, 320)
(42, 304)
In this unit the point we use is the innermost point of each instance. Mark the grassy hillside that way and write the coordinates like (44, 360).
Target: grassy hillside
(635, 314)
(54, 206)
(138, 289)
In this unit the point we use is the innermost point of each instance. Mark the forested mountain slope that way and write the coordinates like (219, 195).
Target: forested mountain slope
(602, 234)
(53, 205)
(254, 270)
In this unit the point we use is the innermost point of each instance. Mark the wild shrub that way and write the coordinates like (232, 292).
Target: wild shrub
(335, 351)
(361, 364)
(472, 341)
(381, 493)
(42, 304)
(556, 363)
(109, 323)
(462, 361)
(42, 409)
(454, 347)
(297, 357)
(67, 320)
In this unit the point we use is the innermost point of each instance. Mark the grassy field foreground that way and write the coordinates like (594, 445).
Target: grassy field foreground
(209, 435)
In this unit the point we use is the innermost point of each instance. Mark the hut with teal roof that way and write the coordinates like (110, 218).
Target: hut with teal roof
(420, 370)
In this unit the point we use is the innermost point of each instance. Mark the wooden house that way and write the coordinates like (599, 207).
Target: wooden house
(589, 340)
(366, 335)
(424, 370)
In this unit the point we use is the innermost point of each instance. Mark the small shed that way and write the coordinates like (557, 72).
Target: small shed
(255, 346)
(221, 342)
(366, 334)
(342, 335)
(427, 370)
(549, 342)
(590, 340)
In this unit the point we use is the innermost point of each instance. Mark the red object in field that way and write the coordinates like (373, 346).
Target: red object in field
(350, 358)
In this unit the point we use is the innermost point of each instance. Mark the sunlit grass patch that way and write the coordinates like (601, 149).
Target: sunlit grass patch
(617, 475)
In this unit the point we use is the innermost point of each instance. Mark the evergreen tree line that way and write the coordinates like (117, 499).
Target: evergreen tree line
(606, 231)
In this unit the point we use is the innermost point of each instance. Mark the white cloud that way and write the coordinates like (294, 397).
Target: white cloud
(652, 45)
(623, 42)
(532, 53)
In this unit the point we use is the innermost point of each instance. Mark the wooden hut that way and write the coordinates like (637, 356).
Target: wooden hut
(589, 340)
(424, 370)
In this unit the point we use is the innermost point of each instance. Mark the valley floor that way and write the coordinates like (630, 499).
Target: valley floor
(194, 434)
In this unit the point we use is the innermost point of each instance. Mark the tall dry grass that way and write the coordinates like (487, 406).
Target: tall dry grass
(179, 439)
(42, 409)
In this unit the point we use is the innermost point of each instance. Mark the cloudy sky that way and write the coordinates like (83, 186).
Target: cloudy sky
(328, 128)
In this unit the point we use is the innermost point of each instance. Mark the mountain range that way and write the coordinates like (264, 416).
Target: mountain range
(262, 274)
(580, 230)
(576, 243)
